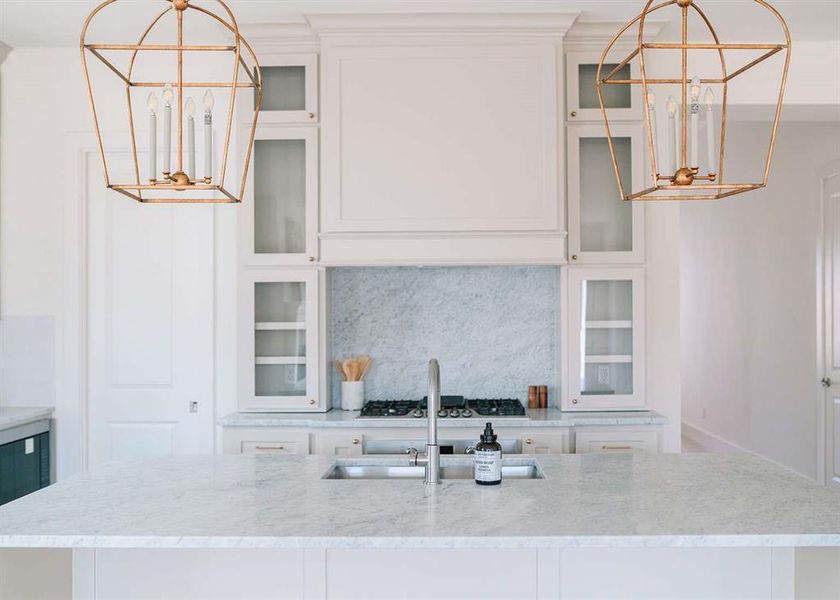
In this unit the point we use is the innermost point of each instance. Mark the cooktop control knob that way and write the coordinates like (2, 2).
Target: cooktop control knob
(454, 412)
(418, 413)
(443, 412)
(466, 412)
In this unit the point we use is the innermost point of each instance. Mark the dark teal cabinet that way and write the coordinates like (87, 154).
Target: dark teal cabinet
(24, 466)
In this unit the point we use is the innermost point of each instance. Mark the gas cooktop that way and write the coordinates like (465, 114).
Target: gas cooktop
(451, 407)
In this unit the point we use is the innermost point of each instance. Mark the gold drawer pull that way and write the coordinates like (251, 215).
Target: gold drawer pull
(312, 402)
(270, 447)
(616, 447)
(355, 441)
(529, 441)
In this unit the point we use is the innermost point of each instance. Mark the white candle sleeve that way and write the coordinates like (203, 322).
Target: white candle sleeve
(208, 145)
(694, 159)
(152, 146)
(710, 131)
(191, 147)
(167, 137)
(653, 139)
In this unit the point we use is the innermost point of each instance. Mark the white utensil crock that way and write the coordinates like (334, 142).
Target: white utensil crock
(352, 395)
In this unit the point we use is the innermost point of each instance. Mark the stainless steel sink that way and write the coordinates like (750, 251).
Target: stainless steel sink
(345, 470)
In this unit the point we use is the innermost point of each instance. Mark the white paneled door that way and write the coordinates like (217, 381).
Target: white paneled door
(831, 328)
(149, 325)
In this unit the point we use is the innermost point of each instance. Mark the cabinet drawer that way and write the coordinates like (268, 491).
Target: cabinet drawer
(545, 443)
(604, 441)
(266, 441)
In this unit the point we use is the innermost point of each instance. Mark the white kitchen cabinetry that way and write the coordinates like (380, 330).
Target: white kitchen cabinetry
(556, 442)
(624, 102)
(442, 149)
(279, 220)
(290, 88)
(603, 227)
(281, 346)
(266, 440)
(617, 439)
(606, 357)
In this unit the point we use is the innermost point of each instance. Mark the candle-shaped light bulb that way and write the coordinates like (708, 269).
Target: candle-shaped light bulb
(189, 108)
(671, 109)
(152, 104)
(709, 99)
(694, 111)
(695, 89)
(208, 136)
(168, 95)
(209, 101)
(651, 105)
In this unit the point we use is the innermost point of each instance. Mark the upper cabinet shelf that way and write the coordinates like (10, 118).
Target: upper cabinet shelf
(623, 102)
(290, 88)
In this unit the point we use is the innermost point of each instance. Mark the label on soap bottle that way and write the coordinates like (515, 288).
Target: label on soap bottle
(488, 465)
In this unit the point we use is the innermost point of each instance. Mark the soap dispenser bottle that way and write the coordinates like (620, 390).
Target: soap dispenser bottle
(488, 458)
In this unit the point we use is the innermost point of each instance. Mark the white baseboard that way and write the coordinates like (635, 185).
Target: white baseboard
(708, 441)
(716, 444)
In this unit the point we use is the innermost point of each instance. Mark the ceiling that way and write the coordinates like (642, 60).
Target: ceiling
(45, 23)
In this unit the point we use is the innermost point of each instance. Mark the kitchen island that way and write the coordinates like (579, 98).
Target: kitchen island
(594, 525)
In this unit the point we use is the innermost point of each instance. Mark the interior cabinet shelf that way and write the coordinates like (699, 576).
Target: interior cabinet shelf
(609, 358)
(280, 360)
(281, 326)
(609, 324)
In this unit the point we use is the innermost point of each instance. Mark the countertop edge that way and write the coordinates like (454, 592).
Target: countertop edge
(258, 542)
(25, 415)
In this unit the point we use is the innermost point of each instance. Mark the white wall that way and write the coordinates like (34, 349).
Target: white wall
(749, 298)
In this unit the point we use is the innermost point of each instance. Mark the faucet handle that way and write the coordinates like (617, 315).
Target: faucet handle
(470, 450)
(412, 455)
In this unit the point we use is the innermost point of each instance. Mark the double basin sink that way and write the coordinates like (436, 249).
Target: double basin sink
(348, 469)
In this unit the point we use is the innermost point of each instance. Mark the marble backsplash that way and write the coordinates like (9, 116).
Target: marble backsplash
(493, 329)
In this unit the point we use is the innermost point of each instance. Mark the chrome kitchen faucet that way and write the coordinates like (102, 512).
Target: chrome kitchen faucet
(430, 459)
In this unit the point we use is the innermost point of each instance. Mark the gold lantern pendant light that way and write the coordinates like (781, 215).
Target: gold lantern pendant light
(177, 181)
(677, 174)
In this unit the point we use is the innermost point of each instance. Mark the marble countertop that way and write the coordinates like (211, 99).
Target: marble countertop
(545, 417)
(265, 501)
(13, 416)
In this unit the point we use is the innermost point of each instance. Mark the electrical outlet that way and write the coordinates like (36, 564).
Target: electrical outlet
(603, 374)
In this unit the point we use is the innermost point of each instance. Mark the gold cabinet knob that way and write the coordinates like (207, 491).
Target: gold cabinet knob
(574, 401)
(312, 402)
(574, 256)
(311, 259)
(311, 115)
(574, 113)
(529, 441)
(356, 441)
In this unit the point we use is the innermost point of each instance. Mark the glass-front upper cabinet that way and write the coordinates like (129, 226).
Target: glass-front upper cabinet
(606, 339)
(624, 102)
(280, 212)
(604, 228)
(279, 341)
(290, 88)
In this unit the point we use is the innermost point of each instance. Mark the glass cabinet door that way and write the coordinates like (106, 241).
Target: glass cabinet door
(280, 342)
(604, 228)
(280, 212)
(622, 101)
(290, 88)
(606, 339)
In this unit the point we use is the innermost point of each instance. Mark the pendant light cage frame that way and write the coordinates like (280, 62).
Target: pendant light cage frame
(687, 183)
(204, 189)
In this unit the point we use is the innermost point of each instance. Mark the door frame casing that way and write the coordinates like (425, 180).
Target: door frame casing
(830, 170)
